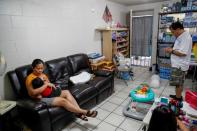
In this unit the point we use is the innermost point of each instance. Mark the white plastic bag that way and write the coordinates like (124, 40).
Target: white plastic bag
(155, 81)
(81, 78)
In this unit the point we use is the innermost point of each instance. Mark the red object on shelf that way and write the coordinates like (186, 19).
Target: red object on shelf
(191, 98)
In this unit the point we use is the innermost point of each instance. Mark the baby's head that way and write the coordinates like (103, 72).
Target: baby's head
(37, 82)
(163, 119)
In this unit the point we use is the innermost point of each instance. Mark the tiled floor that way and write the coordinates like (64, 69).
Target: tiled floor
(110, 117)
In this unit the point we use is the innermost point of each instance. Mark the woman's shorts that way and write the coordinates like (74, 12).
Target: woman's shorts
(48, 101)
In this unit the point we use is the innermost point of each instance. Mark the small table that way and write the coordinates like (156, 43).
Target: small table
(5, 114)
(6, 106)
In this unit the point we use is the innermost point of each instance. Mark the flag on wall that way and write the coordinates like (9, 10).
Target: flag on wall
(107, 16)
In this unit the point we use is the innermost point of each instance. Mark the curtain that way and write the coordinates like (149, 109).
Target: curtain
(142, 36)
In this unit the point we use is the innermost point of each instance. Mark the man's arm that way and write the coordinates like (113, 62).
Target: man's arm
(175, 52)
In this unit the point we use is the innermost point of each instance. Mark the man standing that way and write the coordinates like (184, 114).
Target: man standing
(180, 55)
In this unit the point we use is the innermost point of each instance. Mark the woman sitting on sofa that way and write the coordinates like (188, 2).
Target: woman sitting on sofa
(64, 99)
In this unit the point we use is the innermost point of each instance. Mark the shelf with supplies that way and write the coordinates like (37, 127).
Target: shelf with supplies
(161, 52)
(163, 42)
(191, 26)
(114, 40)
(122, 45)
(166, 39)
(177, 12)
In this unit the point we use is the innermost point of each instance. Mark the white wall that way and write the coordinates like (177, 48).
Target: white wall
(156, 8)
(50, 29)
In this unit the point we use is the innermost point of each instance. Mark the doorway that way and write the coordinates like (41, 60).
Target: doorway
(141, 42)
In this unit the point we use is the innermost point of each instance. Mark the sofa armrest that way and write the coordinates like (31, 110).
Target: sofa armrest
(104, 73)
(31, 104)
(34, 114)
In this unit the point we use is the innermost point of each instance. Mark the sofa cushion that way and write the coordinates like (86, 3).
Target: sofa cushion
(15, 84)
(79, 62)
(83, 92)
(100, 83)
(22, 73)
(59, 72)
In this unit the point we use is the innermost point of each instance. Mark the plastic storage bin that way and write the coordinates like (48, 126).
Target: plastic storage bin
(165, 73)
(191, 98)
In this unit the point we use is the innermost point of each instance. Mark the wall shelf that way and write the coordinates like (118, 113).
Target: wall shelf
(114, 40)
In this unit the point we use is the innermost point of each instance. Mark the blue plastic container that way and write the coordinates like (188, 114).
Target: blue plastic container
(165, 73)
(125, 75)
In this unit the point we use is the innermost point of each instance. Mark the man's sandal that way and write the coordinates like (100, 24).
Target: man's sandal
(91, 113)
(82, 117)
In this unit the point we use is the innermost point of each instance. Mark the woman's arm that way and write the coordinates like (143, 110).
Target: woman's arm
(182, 125)
(36, 93)
(46, 80)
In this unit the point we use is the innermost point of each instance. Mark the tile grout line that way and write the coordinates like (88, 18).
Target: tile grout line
(108, 115)
(114, 113)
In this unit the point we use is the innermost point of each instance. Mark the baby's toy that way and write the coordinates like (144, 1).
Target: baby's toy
(141, 100)
(164, 101)
(142, 93)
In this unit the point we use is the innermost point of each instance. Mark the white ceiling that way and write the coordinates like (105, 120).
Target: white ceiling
(136, 2)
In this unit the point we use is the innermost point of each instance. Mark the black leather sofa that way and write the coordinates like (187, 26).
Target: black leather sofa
(37, 115)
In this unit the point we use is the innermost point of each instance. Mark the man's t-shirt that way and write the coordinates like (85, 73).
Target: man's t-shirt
(183, 44)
